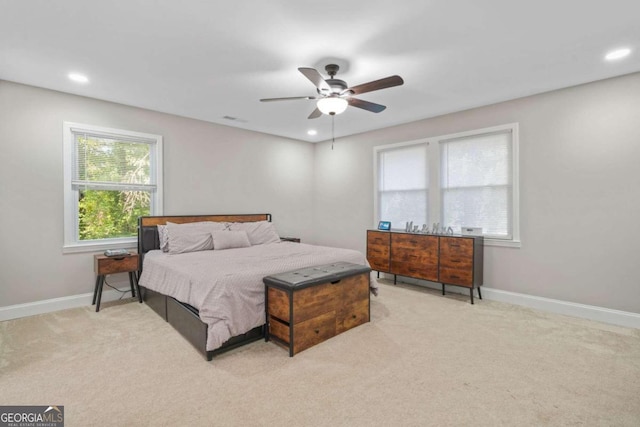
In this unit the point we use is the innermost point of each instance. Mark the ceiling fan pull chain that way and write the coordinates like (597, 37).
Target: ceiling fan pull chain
(333, 135)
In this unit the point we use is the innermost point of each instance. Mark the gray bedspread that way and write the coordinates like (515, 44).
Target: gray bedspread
(226, 285)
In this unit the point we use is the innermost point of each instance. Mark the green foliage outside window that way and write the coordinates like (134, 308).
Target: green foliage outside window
(109, 176)
(110, 214)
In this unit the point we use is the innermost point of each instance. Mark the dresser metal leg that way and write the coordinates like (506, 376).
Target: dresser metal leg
(443, 289)
(479, 293)
(471, 293)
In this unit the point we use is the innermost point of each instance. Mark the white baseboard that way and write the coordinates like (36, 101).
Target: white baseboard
(55, 304)
(600, 314)
(591, 312)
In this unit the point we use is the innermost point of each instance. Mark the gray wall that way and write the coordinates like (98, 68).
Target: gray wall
(207, 169)
(579, 181)
(579, 191)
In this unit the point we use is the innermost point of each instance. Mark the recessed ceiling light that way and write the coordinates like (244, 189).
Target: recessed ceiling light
(617, 54)
(312, 132)
(78, 78)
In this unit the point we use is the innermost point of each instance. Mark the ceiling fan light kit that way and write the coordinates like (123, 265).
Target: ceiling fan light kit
(332, 105)
(334, 95)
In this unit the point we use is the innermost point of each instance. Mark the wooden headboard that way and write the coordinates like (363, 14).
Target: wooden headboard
(148, 232)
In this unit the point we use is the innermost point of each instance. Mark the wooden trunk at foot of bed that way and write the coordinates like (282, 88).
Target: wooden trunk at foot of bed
(183, 317)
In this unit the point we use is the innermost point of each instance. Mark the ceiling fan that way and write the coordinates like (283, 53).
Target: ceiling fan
(334, 95)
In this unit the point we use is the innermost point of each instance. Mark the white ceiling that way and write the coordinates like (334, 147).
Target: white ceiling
(207, 59)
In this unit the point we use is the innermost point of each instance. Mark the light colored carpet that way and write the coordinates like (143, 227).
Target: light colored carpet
(424, 360)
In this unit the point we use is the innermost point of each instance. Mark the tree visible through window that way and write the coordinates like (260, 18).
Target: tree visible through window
(111, 180)
(114, 179)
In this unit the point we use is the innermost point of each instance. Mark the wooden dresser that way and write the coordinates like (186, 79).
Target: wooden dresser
(308, 306)
(450, 260)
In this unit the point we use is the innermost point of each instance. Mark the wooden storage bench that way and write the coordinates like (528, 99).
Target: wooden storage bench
(307, 306)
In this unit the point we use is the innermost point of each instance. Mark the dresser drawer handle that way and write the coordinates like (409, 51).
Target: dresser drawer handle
(415, 242)
(317, 331)
(454, 277)
(455, 260)
(454, 245)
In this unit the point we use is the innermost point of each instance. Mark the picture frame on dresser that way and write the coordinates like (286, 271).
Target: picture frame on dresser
(384, 226)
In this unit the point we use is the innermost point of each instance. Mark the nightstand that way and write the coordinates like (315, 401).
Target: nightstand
(104, 265)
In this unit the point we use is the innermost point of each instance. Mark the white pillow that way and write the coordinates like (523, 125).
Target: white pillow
(191, 237)
(230, 240)
(259, 232)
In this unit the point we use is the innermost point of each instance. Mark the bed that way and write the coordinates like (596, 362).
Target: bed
(215, 298)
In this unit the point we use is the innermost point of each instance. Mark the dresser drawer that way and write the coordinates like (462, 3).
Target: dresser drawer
(378, 238)
(375, 250)
(414, 241)
(456, 248)
(455, 276)
(378, 263)
(410, 255)
(460, 263)
(415, 270)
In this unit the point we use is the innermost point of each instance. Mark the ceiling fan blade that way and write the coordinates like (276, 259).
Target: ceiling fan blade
(366, 105)
(376, 85)
(316, 78)
(315, 114)
(287, 99)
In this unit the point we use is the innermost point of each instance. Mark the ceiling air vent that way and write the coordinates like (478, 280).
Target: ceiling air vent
(234, 119)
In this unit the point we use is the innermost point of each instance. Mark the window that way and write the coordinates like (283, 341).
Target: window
(403, 189)
(111, 178)
(469, 179)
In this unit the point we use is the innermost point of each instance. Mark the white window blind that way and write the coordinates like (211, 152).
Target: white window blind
(476, 183)
(111, 164)
(403, 185)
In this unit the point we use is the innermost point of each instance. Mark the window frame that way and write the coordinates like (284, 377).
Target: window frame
(72, 243)
(435, 187)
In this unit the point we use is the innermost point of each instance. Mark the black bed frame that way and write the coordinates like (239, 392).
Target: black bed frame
(183, 317)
